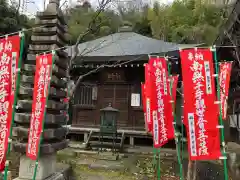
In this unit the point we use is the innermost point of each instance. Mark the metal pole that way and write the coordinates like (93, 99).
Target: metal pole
(45, 111)
(220, 116)
(21, 34)
(178, 148)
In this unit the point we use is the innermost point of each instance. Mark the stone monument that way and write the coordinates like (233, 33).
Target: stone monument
(50, 34)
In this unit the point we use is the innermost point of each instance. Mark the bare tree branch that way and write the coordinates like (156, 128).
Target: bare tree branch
(92, 26)
(17, 4)
(101, 8)
(234, 44)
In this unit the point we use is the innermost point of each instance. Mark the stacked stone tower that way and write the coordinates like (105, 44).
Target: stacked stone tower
(51, 34)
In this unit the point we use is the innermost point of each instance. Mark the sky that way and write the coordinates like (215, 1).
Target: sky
(37, 5)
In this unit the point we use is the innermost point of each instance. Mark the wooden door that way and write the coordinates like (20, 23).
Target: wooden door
(121, 102)
(118, 96)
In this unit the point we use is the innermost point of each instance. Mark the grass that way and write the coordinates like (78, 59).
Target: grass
(134, 167)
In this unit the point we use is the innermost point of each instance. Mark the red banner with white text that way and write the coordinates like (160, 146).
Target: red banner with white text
(200, 109)
(161, 104)
(169, 116)
(173, 84)
(40, 94)
(224, 80)
(153, 100)
(144, 103)
(9, 53)
(148, 98)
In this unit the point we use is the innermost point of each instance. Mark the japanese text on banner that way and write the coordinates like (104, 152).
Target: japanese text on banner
(143, 89)
(161, 105)
(154, 101)
(224, 79)
(41, 83)
(9, 56)
(148, 98)
(173, 87)
(199, 94)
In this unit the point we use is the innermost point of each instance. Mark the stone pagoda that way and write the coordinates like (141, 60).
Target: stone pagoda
(50, 34)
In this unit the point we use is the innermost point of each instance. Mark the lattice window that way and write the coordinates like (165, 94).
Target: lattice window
(86, 95)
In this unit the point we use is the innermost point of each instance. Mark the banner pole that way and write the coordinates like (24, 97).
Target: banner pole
(154, 161)
(182, 125)
(159, 164)
(45, 112)
(220, 116)
(178, 148)
(21, 34)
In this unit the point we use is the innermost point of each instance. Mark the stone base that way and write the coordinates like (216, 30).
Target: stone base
(63, 172)
(9, 175)
(46, 167)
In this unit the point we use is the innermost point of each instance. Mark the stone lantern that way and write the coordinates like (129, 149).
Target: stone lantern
(108, 121)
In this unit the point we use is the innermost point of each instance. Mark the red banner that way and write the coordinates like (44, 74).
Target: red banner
(9, 53)
(148, 98)
(40, 94)
(200, 109)
(161, 103)
(144, 103)
(153, 102)
(173, 84)
(224, 79)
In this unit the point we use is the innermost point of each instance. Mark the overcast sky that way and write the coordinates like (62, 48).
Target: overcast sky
(37, 5)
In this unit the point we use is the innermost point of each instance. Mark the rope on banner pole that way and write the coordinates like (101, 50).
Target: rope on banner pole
(213, 49)
(57, 49)
(207, 47)
(21, 35)
(23, 30)
(178, 148)
(45, 112)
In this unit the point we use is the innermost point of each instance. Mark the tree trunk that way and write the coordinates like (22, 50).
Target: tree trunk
(189, 171)
(195, 170)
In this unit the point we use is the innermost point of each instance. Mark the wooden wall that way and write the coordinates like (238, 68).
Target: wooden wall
(112, 85)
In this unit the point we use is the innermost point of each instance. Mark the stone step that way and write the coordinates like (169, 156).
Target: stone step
(59, 72)
(50, 22)
(49, 31)
(45, 148)
(36, 49)
(24, 118)
(55, 81)
(27, 104)
(61, 62)
(58, 133)
(108, 163)
(104, 140)
(52, 15)
(109, 145)
(47, 39)
(43, 47)
(55, 93)
(106, 137)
